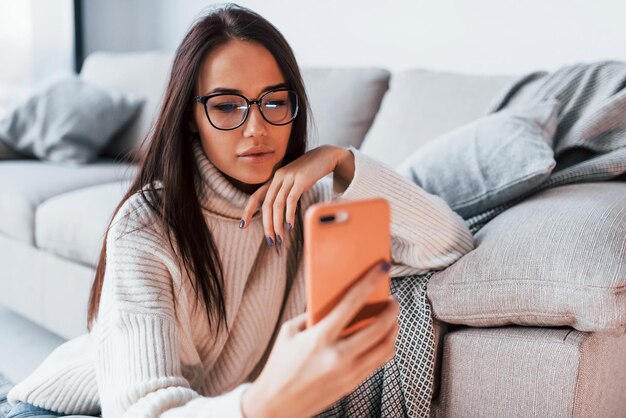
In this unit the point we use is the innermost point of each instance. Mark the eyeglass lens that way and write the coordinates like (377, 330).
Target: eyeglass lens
(228, 111)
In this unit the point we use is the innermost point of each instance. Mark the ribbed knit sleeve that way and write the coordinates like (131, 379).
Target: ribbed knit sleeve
(138, 340)
(426, 234)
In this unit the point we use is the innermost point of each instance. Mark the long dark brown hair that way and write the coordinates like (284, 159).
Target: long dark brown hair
(169, 154)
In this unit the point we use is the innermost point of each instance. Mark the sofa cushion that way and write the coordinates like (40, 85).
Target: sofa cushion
(344, 103)
(555, 259)
(421, 105)
(67, 121)
(25, 184)
(142, 74)
(73, 224)
(489, 161)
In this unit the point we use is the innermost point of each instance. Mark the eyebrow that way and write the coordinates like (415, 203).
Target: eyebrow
(229, 90)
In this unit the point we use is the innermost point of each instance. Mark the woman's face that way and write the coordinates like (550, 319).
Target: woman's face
(249, 69)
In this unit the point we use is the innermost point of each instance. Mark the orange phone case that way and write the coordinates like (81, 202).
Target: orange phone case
(338, 253)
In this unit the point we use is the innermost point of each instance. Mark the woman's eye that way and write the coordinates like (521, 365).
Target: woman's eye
(275, 103)
(227, 107)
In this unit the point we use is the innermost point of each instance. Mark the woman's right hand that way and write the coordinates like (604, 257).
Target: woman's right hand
(311, 368)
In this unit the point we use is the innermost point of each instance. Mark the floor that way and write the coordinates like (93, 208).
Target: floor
(23, 345)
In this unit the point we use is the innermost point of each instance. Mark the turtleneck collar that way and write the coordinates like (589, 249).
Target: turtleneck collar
(220, 196)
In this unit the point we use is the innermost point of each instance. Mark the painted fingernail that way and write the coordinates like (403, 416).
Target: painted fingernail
(289, 227)
(241, 223)
(385, 266)
(279, 240)
(269, 241)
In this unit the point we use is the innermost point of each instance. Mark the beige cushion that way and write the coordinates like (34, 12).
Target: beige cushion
(73, 224)
(532, 372)
(557, 258)
(25, 184)
(344, 103)
(420, 105)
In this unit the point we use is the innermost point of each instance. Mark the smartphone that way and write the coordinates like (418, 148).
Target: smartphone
(342, 241)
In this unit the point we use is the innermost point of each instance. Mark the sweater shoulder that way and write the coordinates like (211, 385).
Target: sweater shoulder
(139, 212)
(138, 223)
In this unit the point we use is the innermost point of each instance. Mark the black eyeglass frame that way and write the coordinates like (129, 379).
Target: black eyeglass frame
(204, 99)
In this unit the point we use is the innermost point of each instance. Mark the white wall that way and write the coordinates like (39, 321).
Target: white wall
(121, 25)
(53, 38)
(15, 41)
(477, 36)
(36, 42)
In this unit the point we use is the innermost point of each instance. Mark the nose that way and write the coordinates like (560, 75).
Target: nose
(255, 125)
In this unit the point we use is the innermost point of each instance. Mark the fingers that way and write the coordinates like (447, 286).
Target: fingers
(353, 300)
(291, 203)
(253, 203)
(379, 354)
(266, 209)
(278, 208)
(294, 325)
(278, 200)
(362, 340)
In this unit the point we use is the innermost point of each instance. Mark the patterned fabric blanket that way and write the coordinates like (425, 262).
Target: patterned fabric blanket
(590, 141)
(403, 386)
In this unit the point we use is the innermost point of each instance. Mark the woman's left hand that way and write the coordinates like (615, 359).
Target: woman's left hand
(279, 196)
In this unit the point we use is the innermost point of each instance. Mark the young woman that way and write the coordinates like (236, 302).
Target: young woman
(198, 304)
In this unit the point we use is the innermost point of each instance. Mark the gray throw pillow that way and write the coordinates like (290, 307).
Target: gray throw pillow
(68, 121)
(555, 259)
(489, 161)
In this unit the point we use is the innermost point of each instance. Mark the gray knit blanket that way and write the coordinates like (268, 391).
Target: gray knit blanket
(590, 141)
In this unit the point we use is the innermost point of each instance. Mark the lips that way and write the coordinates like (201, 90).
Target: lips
(256, 151)
(254, 154)
(257, 155)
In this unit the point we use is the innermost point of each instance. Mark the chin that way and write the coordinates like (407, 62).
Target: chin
(258, 177)
(256, 174)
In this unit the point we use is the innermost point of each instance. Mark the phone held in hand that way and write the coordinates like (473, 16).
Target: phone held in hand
(342, 241)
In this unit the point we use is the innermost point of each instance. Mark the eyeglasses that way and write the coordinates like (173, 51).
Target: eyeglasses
(226, 111)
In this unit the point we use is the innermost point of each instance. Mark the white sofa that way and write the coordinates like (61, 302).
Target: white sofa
(52, 221)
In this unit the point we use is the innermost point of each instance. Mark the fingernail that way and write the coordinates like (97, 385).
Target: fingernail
(241, 223)
(385, 266)
(279, 240)
(269, 241)
(289, 227)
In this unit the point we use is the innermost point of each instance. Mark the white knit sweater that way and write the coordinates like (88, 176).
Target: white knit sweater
(149, 357)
